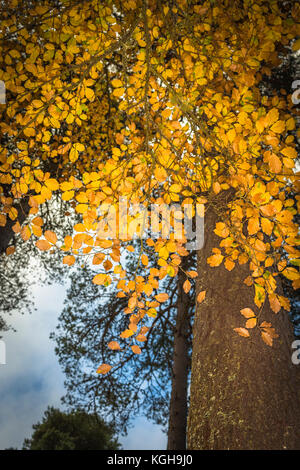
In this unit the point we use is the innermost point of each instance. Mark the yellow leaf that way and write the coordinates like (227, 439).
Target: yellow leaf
(291, 273)
(260, 295)
(175, 188)
(296, 45)
(116, 83)
(89, 93)
(216, 187)
(12, 213)
(278, 127)
(160, 174)
(76, 148)
(289, 152)
(272, 116)
(119, 92)
(52, 184)
(67, 195)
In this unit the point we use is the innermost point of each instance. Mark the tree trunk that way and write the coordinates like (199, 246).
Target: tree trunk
(244, 393)
(178, 402)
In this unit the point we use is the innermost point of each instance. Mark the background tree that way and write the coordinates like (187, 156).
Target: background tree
(141, 383)
(76, 430)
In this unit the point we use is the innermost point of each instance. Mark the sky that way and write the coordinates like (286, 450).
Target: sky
(31, 380)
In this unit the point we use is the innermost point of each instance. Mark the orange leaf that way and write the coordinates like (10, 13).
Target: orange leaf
(38, 221)
(144, 259)
(247, 312)
(10, 250)
(141, 338)
(126, 333)
(136, 349)
(248, 281)
(114, 345)
(201, 296)
(2, 220)
(215, 260)
(251, 323)
(229, 264)
(162, 297)
(98, 258)
(253, 225)
(274, 303)
(187, 286)
(274, 163)
(69, 260)
(267, 338)
(50, 236)
(36, 230)
(25, 233)
(192, 274)
(43, 245)
(103, 369)
(242, 332)
(99, 279)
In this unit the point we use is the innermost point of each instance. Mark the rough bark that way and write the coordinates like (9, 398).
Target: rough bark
(178, 402)
(244, 394)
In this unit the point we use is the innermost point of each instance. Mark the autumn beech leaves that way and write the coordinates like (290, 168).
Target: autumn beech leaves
(265, 328)
(160, 105)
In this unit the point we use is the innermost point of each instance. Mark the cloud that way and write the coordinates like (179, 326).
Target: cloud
(144, 436)
(32, 379)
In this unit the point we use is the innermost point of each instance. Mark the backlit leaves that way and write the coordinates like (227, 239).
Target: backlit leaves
(180, 119)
